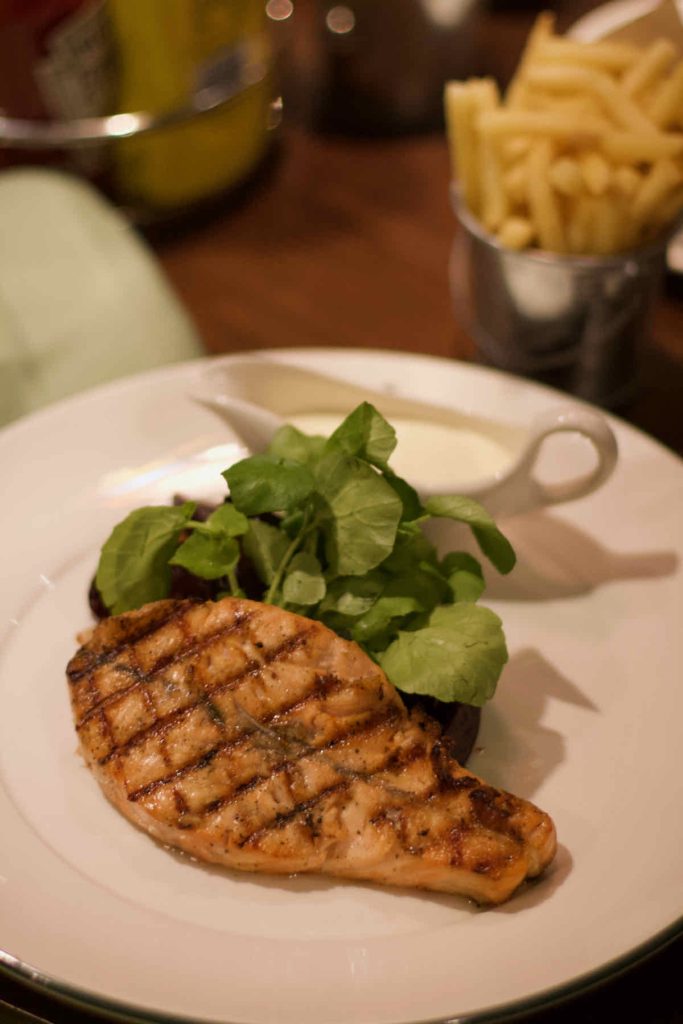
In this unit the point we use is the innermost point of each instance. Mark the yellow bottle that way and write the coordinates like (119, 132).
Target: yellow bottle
(167, 49)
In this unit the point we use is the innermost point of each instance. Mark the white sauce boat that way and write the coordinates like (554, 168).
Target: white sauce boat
(440, 450)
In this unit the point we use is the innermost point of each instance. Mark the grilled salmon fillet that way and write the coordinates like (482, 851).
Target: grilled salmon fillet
(252, 737)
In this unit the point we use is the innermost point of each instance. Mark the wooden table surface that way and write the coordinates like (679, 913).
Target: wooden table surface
(344, 241)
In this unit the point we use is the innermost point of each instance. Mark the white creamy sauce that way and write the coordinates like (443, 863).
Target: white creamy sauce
(433, 455)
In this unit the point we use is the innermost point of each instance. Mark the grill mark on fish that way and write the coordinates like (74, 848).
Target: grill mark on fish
(164, 722)
(142, 679)
(325, 685)
(183, 771)
(289, 762)
(152, 708)
(105, 724)
(107, 654)
(284, 817)
(365, 728)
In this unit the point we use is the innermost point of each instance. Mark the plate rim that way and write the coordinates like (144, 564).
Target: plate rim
(82, 999)
(66, 993)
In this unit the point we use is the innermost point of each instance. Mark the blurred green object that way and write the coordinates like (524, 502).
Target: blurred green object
(82, 298)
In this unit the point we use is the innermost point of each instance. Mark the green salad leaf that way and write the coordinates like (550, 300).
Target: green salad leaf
(304, 582)
(361, 514)
(290, 443)
(495, 546)
(209, 556)
(265, 546)
(134, 563)
(457, 656)
(366, 434)
(268, 483)
(464, 576)
(324, 527)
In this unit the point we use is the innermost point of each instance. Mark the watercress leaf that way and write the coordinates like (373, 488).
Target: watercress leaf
(366, 434)
(455, 561)
(495, 546)
(362, 513)
(265, 547)
(464, 576)
(420, 591)
(412, 506)
(133, 567)
(227, 520)
(208, 555)
(291, 443)
(378, 621)
(267, 483)
(353, 595)
(304, 583)
(411, 549)
(457, 656)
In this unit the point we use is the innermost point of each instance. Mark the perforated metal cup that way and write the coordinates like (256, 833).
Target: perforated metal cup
(576, 322)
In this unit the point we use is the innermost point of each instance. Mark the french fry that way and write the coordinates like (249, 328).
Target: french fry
(494, 203)
(607, 56)
(541, 31)
(515, 183)
(543, 205)
(515, 233)
(565, 176)
(634, 148)
(666, 107)
(627, 180)
(463, 141)
(574, 78)
(503, 122)
(512, 149)
(575, 107)
(595, 172)
(652, 63)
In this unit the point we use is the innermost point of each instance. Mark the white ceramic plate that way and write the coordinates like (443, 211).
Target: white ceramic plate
(608, 18)
(586, 722)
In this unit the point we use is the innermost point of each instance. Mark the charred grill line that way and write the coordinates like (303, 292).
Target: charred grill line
(106, 655)
(179, 773)
(326, 683)
(284, 818)
(369, 726)
(142, 679)
(163, 724)
(93, 694)
(151, 707)
(289, 762)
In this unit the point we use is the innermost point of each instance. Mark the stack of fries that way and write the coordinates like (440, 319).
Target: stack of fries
(583, 155)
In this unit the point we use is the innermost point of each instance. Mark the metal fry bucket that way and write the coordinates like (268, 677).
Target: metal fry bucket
(575, 322)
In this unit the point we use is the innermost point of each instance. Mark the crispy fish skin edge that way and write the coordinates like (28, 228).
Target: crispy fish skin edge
(537, 851)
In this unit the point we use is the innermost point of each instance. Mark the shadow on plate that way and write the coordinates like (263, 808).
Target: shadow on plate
(521, 753)
(555, 559)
